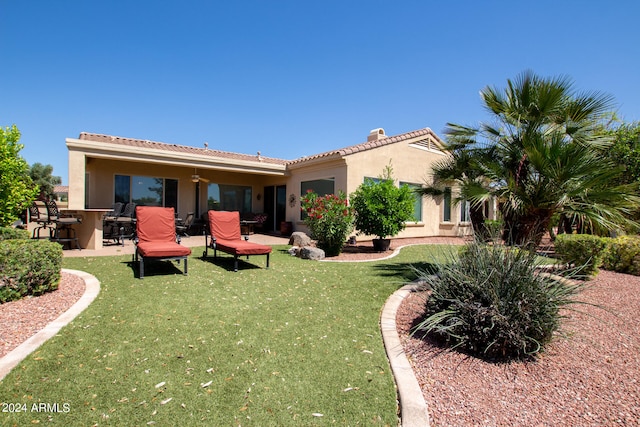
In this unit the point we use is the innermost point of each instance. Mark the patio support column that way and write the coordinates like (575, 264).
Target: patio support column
(77, 169)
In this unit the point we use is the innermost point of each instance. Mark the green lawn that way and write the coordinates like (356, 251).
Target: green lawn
(297, 344)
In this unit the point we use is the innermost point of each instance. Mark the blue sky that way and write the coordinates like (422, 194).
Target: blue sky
(291, 78)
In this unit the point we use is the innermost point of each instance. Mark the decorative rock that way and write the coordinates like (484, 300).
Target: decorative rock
(310, 252)
(300, 239)
(293, 251)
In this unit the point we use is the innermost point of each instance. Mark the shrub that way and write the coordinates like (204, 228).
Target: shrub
(492, 304)
(622, 254)
(381, 208)
(9, 233)
(330, 220)
(582, 250)
(28, 267)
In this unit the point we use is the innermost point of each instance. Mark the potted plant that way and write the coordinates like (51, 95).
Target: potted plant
(381, 209)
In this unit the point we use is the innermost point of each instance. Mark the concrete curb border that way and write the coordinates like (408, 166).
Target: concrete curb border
(18, 354)
(413, 407)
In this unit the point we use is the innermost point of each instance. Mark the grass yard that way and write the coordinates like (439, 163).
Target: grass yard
(297, 344)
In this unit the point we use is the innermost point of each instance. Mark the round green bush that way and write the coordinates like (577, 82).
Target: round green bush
(28, 267)
(622, 254)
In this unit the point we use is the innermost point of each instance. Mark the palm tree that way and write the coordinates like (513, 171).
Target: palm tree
(542, 155)
(461, 169)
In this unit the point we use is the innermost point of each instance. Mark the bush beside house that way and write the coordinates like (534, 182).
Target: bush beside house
(330, 220)
(381, 209)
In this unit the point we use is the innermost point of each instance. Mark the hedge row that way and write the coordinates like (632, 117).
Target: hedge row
(621, 254)
(28, 267)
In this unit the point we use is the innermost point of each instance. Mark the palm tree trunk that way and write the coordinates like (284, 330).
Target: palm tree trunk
(526, 230)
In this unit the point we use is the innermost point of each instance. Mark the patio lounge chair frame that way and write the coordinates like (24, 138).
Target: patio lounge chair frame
(222, 233)
(156, 238)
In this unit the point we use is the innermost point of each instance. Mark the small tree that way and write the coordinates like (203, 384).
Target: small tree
(42, 175)
(381, 208)
(17, 190)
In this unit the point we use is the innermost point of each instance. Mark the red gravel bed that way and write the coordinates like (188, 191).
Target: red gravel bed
(590, 377)
(23, 318)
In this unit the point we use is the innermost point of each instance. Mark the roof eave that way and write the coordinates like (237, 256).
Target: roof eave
(150, 155)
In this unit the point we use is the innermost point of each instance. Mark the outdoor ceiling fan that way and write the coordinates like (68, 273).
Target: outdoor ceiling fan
(196, 178)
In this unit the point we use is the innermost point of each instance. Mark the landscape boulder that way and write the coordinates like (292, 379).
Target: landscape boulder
(299, 239)
(311, 252)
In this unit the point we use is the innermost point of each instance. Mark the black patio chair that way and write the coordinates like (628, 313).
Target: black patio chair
(42, 221)
(183, 227)
(64, 231)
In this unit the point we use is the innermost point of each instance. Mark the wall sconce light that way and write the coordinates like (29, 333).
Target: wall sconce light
(259, 196)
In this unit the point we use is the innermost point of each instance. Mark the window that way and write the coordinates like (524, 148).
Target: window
(446, 205)
(464, 211)
(224, 197)
(321, 187)
(146, 191)
(417, 201)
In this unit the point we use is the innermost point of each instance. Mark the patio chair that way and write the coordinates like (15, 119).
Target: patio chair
(110, 228)
(183, 227)
(43, 222)
(224, 232)
(126, 222)
(64, 232)
(156, 237)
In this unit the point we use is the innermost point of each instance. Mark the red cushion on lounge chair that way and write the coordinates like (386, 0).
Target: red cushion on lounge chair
(162, 249)
(225, 225)
(242, 247)
(154, 224)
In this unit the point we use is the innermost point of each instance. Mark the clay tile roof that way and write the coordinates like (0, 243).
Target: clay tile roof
(143, 143)
(367, 145)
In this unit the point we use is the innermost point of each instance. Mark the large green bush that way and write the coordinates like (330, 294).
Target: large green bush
(492, 303)
(585, 251)
(381, 208)
(28, 267)
(622, 254)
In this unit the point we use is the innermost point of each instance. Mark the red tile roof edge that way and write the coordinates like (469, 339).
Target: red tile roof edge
(364, 146)
(352, 149)
(143, 143)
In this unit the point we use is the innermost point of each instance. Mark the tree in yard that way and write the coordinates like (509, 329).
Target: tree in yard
(543, 155)
(17, 190)
(42, 176)
(381, 208)
(461, 169)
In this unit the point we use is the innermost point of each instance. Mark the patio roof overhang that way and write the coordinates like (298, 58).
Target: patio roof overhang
(180, 159)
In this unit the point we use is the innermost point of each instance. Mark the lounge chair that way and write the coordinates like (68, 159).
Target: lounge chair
(224, 232)
(156, 237)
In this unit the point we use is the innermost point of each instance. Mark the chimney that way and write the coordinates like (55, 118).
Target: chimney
(376, 135)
